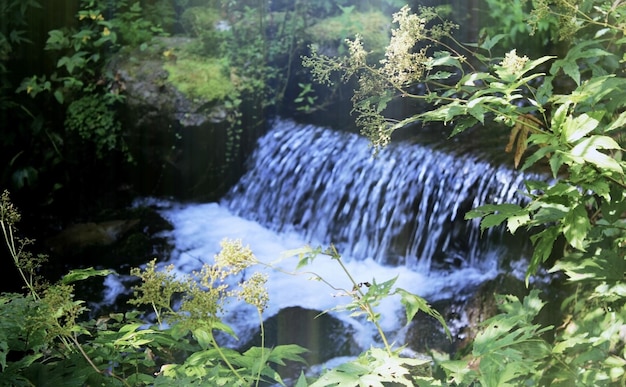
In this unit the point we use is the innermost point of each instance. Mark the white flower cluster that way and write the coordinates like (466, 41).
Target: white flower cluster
(402, 64)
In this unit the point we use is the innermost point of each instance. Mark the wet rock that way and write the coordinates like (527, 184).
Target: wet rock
(82, 235)
(325, 337)
(463, 316)
(482, 305)
(178, 139)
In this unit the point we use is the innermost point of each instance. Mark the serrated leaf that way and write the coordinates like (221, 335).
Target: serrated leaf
(492, 220)
(559, 117)
(587, 149)
(618, 123)
(478, 112)
(543, 242)
(516, 221)
(413, 304)
(576, 225)
(82, 274)
(576, 128)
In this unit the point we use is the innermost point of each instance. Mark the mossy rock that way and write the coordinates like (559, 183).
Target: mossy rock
(201, 78)
(373, 26)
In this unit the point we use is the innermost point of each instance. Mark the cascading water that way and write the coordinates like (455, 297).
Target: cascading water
(310, 185)
(404, 206)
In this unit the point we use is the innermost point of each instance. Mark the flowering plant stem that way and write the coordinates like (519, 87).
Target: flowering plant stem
(363, 301)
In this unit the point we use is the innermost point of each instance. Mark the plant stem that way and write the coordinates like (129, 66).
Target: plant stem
(225, 359)
(258, 375)
(367, 306)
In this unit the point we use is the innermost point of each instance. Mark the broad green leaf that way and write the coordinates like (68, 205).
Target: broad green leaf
(223, 327)
(536, 62)
(613, 208)
(543, 242)
(444, 58)
(284, 352)
(576, 128)
(478, 112)
(492, 220)
(587, 149)
(472, 78)
(413, 304)
(494, 214)
(570, 68)
(516, 221)
(204, 337)
(559, 118)
(602, 265)
(538, 155)
(58, 95)
(576, 225)
(505, 208)
(618, 123)
(490, 42)
(549, 212)
(82, 274)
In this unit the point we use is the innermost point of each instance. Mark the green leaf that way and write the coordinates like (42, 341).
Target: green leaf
(413, 304)
(613, 208)
(559, 117)
(618, 123)
(587, 149)
(494, 214)
(576, 225)
(204, 337)
(543, 242)
(576, 128)
(301, 382)
(516, 221)
(58, 95)
(444, 58)
(82, 274)
(603, 265)
(490, 42)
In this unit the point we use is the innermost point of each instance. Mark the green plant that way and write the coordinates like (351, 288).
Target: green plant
(513, 25)
(44, 339)
(375, 366)
(96, 122)
(570, 111)
(306, 98)
(81, 81)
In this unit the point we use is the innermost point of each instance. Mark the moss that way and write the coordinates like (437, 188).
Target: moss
(372, 26)
(200, 77)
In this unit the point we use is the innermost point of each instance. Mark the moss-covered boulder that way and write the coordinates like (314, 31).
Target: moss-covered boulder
(175, 118)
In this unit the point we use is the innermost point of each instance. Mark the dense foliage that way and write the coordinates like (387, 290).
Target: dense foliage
(565, 112)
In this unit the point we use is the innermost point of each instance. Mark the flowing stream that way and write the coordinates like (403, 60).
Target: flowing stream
(399, 214)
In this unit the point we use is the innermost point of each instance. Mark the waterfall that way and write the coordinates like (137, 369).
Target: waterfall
(405, 206)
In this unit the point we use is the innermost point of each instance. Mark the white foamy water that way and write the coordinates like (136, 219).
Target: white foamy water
(198, 230)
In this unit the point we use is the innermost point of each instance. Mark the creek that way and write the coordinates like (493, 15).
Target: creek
(398, 214)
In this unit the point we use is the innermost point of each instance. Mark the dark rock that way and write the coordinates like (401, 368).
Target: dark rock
(178, 141)
(82, 235)
(463, 316)
(324, 336)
